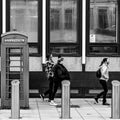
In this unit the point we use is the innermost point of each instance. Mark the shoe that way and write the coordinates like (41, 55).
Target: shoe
(106, 104)
(42, 96)
(53, 103)
(96, 100)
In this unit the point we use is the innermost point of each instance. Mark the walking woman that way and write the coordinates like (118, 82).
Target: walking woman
(103, 80)
(48, 68)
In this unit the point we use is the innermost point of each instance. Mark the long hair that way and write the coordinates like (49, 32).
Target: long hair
(103, 61)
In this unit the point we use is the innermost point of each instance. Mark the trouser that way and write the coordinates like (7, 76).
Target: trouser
(104, 93)
(57, 84)
(50, 90)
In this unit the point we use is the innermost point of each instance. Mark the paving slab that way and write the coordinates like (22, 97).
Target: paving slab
(86, 109)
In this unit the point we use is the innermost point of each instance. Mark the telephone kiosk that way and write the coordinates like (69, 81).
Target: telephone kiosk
(14, 66)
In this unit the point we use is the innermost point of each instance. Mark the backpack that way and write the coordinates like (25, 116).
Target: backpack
(98, 73)
(60, 72)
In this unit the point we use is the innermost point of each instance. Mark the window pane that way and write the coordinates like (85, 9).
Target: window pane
(103, 21)
(63, 20)
(24, 17)
(69, 50)
(33, 49)
(104, 49)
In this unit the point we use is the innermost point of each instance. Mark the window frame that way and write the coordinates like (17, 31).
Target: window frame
(88, 44)
(37, 45)
(79, 32)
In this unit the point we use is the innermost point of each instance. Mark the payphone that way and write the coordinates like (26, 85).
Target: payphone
(14, 66)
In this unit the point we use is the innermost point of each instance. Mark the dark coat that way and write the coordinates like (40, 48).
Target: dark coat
(60, 72)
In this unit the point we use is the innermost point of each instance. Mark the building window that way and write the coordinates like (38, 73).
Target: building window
(54, 19)
(68, 19)
(24, 18)
(103, 27)
(63, 31)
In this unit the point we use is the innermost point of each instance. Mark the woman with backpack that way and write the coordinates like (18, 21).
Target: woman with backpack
(103, 80)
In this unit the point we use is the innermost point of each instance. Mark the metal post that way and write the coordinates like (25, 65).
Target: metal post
(65, 109)
(115, 110)
(15, 107)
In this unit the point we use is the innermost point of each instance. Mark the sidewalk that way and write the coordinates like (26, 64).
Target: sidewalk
(83, 109)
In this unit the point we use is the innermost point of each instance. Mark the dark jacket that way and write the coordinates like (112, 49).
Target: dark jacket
(60, 72)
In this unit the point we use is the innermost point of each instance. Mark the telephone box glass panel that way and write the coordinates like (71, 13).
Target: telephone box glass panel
(14, 69)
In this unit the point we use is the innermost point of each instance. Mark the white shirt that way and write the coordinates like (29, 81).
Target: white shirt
(104, 72)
